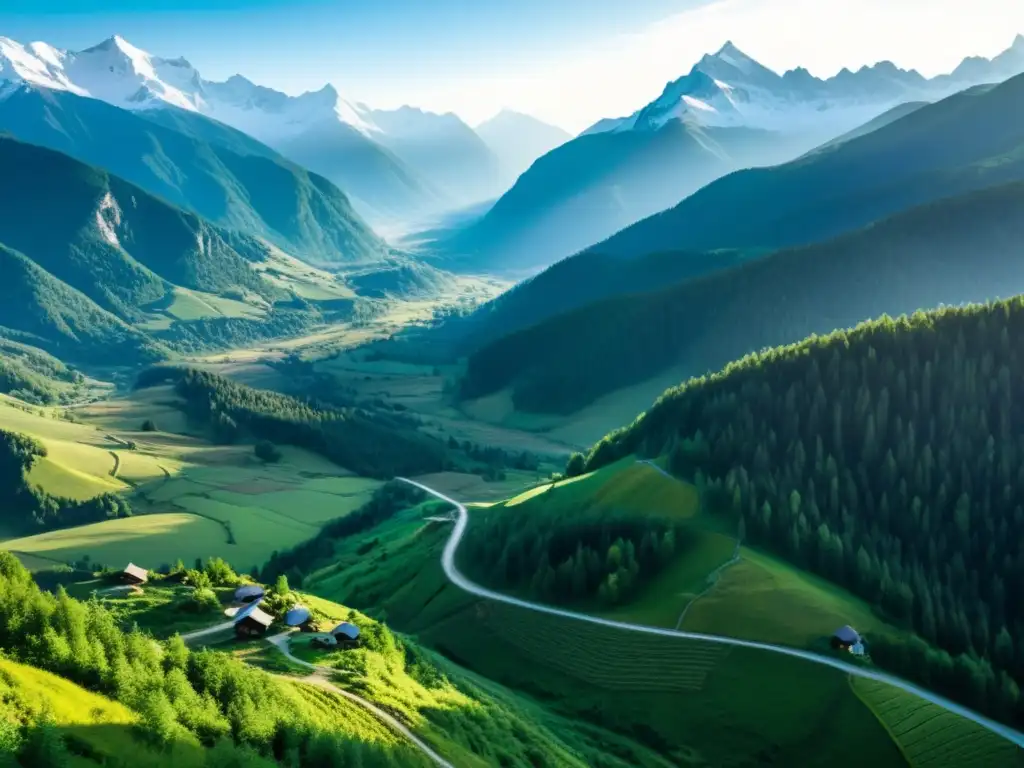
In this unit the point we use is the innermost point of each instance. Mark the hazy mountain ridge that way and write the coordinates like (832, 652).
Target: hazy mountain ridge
(956, 250)
(728, 113)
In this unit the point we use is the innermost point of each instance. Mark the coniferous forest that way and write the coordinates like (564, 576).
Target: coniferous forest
(890, 459)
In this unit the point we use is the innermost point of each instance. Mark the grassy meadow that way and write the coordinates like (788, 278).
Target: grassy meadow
(191, 498)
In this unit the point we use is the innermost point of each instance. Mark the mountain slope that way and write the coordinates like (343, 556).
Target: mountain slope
(41, 311)
(518, 140)
(728, 112)
(198, 164)
(964, 142)
(885, 459)
(948, 252)
(591, 186)
(441, 149)
(309, 128)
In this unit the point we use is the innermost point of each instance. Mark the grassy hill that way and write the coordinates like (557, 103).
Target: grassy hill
(200, 165)
(951, 251)
(965, 142)
(586, 189)
(687, 702)
(883, 459)
(166, 706)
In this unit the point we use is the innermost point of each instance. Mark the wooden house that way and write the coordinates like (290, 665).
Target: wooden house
(300, 618)
(133, 574)
(252, 622)
(249, 593)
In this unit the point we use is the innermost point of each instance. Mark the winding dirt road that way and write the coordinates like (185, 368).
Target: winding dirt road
(459, 580)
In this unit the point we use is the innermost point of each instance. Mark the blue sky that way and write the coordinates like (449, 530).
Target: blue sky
(567, 61)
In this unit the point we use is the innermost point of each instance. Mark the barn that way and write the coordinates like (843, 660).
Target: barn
(133, 574)
(252, 622)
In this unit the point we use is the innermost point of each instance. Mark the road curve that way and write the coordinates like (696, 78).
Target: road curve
(459, 580)
(319, 678)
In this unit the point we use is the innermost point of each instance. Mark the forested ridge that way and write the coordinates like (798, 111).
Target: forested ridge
(948, 252)
(370, 443)
(888, 458)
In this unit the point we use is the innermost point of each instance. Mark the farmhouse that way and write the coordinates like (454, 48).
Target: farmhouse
(248, 593)
(847, 639)
(252, 622)
(132, 574)
(346, 634)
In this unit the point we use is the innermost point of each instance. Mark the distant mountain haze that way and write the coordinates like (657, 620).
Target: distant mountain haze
(727, 113)
(518, 140)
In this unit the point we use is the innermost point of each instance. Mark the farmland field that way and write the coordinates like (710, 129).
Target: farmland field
(930, 737)
(762, 598)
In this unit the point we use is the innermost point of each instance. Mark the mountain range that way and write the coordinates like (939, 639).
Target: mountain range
(395, 164)
(729, 112)
(518, 140)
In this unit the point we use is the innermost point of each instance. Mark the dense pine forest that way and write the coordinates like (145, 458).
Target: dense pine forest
(566, 558)
(888, 458)
(373, 444)
(243, 715)
(29, 508)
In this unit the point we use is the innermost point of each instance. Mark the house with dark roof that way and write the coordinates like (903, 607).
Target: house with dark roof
(346, 634)
(133, 574)
(248, 593)
(846, 639)
(300, 617)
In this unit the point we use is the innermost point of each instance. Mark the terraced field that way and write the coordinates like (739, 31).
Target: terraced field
(929, 736)
(605, 656)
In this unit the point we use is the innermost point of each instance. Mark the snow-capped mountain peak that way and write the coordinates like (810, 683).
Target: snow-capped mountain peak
(728, 88)
(126, 76)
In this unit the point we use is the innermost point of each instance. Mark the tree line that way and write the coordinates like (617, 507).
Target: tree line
(243, 715)
(369, 443)
(33, 508)
(888, 458)
(571, 556)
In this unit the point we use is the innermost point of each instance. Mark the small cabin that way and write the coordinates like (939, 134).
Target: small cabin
(846, 639)
(133, 574)
(300, 618)
(252, 622)
(346, 634)
(249, 593)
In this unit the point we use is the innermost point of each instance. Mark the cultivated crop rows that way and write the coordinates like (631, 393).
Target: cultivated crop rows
(929, 736)
(605, 656)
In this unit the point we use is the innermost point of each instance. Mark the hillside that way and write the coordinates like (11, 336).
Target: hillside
(964, 142)
(687, 702)
(884, 459)
(41, 311)
(590, 187)
(202, 166)
(518, 140)
(952, 251)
